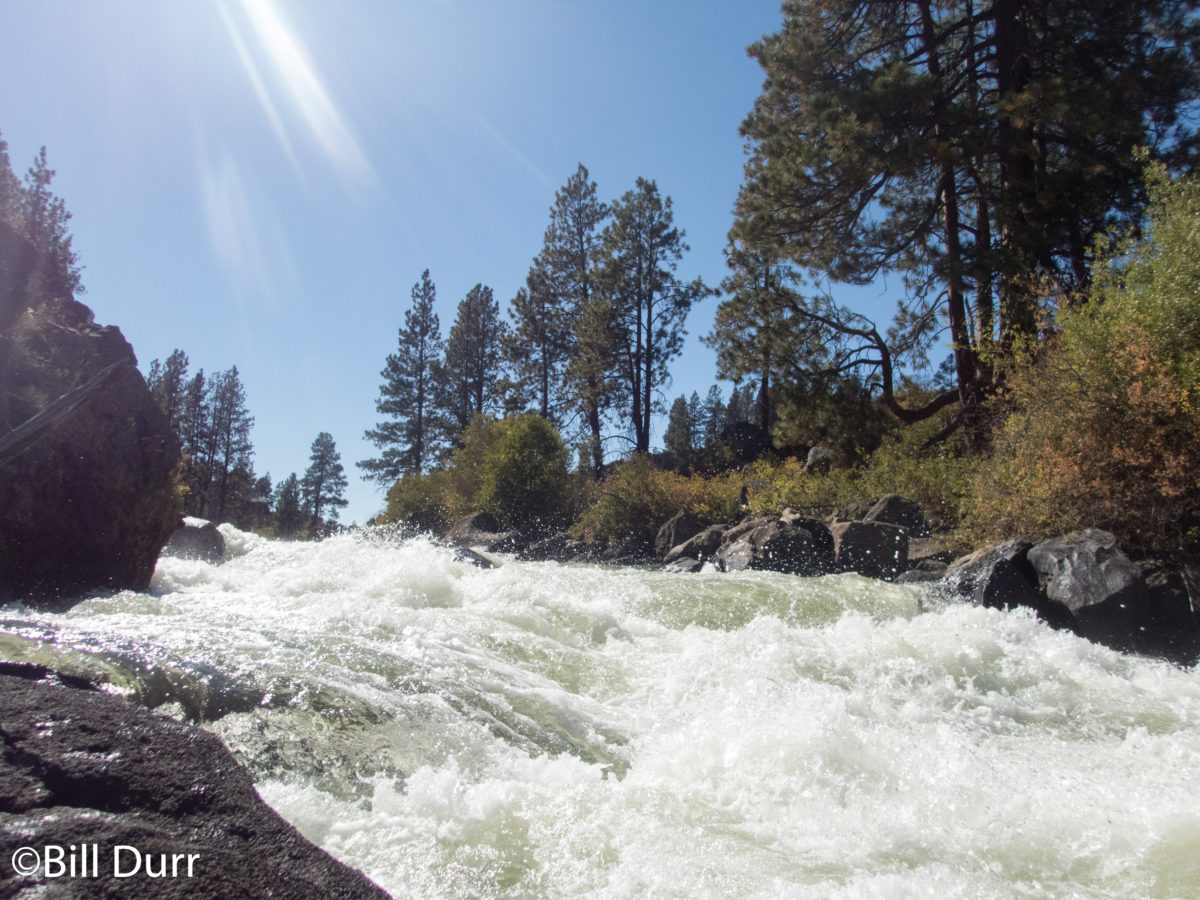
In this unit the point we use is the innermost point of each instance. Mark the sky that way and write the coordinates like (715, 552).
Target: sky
(260, 183)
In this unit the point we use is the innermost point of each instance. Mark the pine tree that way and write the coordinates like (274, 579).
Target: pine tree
(228, 445)
(45, 219)
(289, 513)
(714, 419)
(324, 483)
(471, 378)
(193, 432)
(168, 384)
(10, 192)
(408, 436)
(976, 149)
(641, 251)
(679, 439)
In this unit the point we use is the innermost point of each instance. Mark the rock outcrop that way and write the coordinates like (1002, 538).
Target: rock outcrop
(85, 769)
(197, 539)
(87, 494)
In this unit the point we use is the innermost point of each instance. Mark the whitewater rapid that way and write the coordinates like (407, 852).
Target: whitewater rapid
(546, 730)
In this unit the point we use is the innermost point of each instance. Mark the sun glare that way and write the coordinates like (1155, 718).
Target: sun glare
(283, 55)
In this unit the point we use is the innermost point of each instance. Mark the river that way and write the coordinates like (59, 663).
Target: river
(541, 730)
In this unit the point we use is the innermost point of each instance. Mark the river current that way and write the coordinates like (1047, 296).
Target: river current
(545, 730)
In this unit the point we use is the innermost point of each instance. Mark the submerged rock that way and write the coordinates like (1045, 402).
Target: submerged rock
(874, 549)
(84, 768)
(197, 539)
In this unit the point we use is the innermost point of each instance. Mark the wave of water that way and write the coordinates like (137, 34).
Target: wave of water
(540, 730)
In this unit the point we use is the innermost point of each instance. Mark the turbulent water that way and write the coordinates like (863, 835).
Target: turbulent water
(540, 730)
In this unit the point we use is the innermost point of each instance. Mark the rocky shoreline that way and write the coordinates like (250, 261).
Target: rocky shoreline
(1082, 582)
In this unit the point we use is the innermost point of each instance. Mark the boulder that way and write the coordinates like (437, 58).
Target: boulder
(684, 564)
(88, 496)
(471, 557)
(480, 530)
(82, 767)
(820, 459)
(196, 539)
(1002, 577)
(874, 549)
(1088, 574)
(779, 547)
(679, 528)
(701, 546)
(893, 509)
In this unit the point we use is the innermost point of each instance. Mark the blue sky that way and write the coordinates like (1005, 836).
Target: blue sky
(261, 182)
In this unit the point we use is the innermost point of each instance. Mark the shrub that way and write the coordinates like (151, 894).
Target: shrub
(523, 477)
(636, 499)
(418, 500)
(1105, 428)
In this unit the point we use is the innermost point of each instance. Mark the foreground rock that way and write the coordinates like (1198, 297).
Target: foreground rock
(87, 497)
(84, 768)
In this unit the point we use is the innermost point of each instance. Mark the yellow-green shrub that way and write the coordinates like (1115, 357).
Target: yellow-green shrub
(1105, 428)
(636, 499)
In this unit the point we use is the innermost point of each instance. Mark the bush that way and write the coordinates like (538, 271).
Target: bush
(634, 501)
(418, 500)
(1105, 428)
(523, 477)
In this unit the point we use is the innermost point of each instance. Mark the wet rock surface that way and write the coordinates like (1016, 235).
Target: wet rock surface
(83, 769)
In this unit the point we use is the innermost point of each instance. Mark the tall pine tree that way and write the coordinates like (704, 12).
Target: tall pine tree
(471, 378)
(408, 437)
(641, 251)
(324, 484)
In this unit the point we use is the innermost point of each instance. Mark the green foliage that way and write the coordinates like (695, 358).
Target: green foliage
(636, 499)
(1105, 427)
(419, 500)
(324, 484)
(289, 514)
(515, 468)
(523, 477)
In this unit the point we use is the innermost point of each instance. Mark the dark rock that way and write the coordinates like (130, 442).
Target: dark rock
(197, 539)
(1088, 574)
(701, 546)
(87, 491)
(778, 547)
(480, 530)
(684, 564)
(874, 549)
(1002, 577)
(679, 528)
(893, 509)
(467, 555)
(81, 767)
(555, 548)
(928, 550)
(855, 511)
(820, 460)
(633, 549)
(926, 575)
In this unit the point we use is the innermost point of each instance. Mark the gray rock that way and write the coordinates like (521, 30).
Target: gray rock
(1088, 574)
(1000, 576)
(679, 528)
(820, 459)
(874, 549)
(467, 555)
(779, 547)
(893, 509)
(479, 530)
(197, 539)
(701, 546)
(684, 564)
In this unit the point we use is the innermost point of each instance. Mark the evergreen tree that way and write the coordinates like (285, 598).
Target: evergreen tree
(10, 192)
(45, 219)
(408, 437)
(471, 381)
(641, 250)
(168, 385)
(193, 433)
(559, 345)
(228, 446)
(974, 147)
(679, 439)
(714, 420)
(324, 483)
(289, 513)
